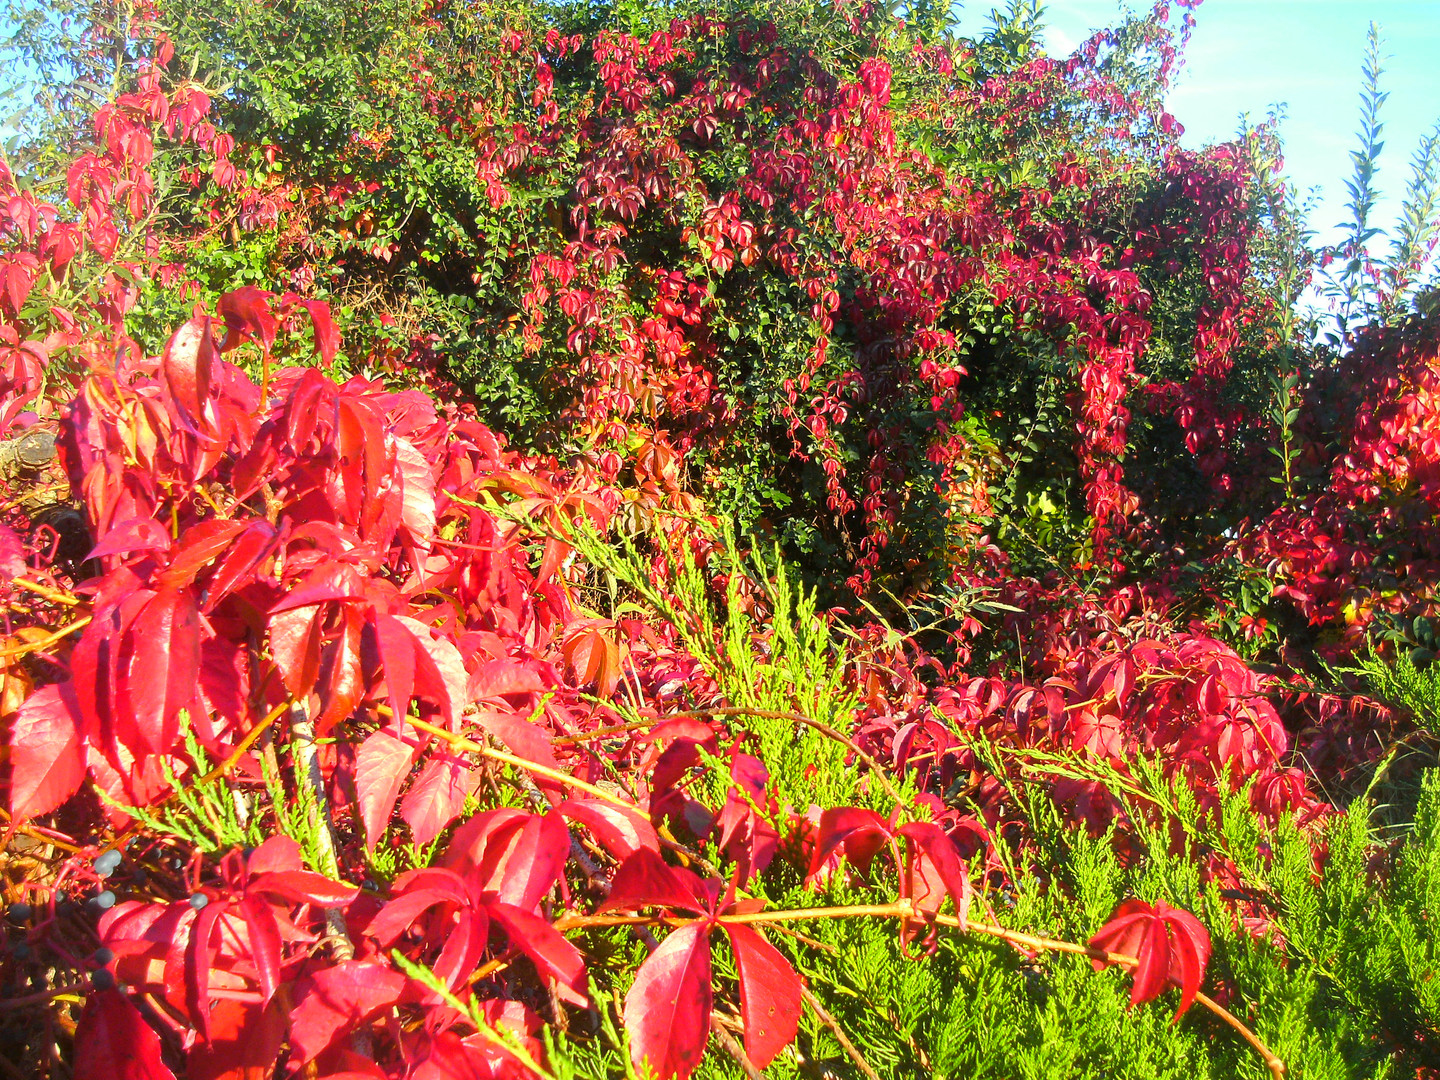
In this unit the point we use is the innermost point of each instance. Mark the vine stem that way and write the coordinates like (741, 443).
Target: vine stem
(470, 746)
(839, 1032)
(460, 742)
(903, 909)
(307, 772)
(58, 596)
(800, 718)
(41, 644)
(900, 909)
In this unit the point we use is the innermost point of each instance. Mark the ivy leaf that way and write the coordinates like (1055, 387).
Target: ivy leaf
(667, 1011)
(769, 994)
(338, 1000)
(47, 762)
(1171, 945)
(113, 1042)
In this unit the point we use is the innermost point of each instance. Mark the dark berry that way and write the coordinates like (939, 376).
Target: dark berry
(108, 863)
(19, 912)
(103, 979)
(198, 900)
(22, 951)
(104, 955)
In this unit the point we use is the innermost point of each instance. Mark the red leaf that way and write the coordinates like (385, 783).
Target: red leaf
(439, 670)
(187, 364)
(552, 955)
(275, 855)
(417, 494)
(135, 534)
(197, 547)
(496, 678)
(646, 880)
(436, 797)
(859, 833)
(113, 1042)
(342, 677)
(13, 560)
(243, 557)
(622, 832)
(397, 656)
(247, 316)
(769, 994)
(199, 957)
(47, 764)
(295, 641)
(1171, 945)
(521, 737)
(933, 869)
(337, 1000)
(327, 338)
(667, 1011)
(303, 887)
(381, 765)
(264, 943)
(592, 650)
(245, 1039)
(164, 667)
(519, 865)
(411, 901)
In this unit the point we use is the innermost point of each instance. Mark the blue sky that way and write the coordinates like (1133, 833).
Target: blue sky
(1249, 54)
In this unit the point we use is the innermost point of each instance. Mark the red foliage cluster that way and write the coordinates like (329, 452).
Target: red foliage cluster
(387, 579)
(1360, 544)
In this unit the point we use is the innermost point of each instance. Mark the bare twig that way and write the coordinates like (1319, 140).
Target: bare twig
(800, 718)
(307, 772)
(839, 1033)
(734, 1049)
(905, 910)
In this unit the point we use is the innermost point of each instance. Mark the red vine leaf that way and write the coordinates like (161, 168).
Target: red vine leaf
(113, 1042)
(769, 994)
(1171, 945)
(381, 765)
(47, 762)
(337, 1000)
(667, 1011)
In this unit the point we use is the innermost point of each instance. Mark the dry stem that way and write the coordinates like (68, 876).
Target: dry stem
(903, 909)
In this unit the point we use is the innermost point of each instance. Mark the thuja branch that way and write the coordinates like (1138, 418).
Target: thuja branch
(905, 910)
(223, 769)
